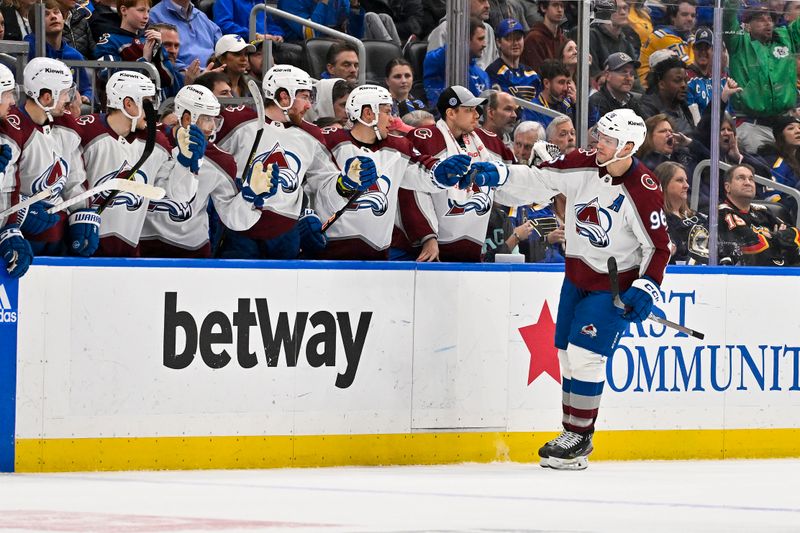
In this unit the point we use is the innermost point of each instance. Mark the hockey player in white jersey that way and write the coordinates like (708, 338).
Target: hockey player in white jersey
(45, 143)
(114, 142)
(304, 164)
(181, 229)
(15, 252)
(614, 209)
(364, 231)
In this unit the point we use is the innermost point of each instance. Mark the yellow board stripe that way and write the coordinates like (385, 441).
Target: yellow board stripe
(190, 453)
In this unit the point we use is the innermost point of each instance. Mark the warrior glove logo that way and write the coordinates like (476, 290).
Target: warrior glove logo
(593, 222)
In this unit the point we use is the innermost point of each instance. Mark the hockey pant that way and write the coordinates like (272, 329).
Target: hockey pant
(588, 328)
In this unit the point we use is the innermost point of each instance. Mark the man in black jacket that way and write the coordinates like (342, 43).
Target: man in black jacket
(616, 91)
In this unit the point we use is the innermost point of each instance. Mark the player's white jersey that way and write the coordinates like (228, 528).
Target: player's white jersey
(458, 217)
(304, 163)
(108, 155)
(364, 231)
(620, 217)
(44, 156)
(185, 224)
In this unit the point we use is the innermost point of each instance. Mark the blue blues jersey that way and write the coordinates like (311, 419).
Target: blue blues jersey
(522, 82)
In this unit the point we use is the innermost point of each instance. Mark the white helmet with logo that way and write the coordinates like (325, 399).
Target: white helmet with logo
(287, 77)
(625, 126)
(367, 95)
(197, 100)
(44, 73)
(7, 81)
(129, 84)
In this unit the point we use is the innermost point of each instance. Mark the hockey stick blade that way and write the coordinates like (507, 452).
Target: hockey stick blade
(150, 143)
(613, 276)
(334, 217)
(41, 195)
(116, 184)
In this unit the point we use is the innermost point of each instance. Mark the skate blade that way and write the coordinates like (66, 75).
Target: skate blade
(543, 462)
(578, 463)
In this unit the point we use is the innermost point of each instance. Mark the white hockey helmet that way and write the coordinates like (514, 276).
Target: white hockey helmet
(129, 84)
(287, 77)
(367, 95)
(625, 126)
(198, 101)
(44, 73)
(7, 82)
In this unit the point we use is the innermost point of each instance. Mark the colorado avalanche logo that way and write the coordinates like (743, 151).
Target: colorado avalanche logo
(593, 222)
(478, 201)
(289, 164)
(178, 211)
(55, 176)
(131, 201)
(374, 198)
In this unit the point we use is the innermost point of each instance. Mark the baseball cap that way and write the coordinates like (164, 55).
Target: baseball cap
(508, 26)
(705, 36)
(660, 55)
(457, 96)
(779, 124)
(618, 60)
(752, 9)
(232, 43)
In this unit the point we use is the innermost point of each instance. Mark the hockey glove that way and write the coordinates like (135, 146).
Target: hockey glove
(544, 152)
(359, 174)
(15, 251)
(639, 300)
(35, 219)
(285, 246)
(191, 146)
(84, 232)
(485, 174)
(258, 185)
(312, 240)
(451, 171)
(5, 157)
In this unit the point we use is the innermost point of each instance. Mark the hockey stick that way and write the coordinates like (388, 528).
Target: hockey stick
(334, 217)
(41, 195)
(150, 143)
(116, 184)
(255, 92)
(614, 281)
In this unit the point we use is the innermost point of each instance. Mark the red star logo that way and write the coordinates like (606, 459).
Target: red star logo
(539, 339)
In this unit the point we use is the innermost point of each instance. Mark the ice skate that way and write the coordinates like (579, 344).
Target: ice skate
(571, 452)
(548, 448)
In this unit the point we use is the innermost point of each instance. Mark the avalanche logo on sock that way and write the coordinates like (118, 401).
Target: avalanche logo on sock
(289, 164)
(54, 176)
(374, 198)
(593, 222)
(129, 200)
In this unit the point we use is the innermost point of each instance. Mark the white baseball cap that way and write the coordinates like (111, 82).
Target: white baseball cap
(232, 43)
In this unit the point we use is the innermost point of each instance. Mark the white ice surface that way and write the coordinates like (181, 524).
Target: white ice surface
(724, 496)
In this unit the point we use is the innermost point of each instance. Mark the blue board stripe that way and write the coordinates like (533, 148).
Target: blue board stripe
(9, 290)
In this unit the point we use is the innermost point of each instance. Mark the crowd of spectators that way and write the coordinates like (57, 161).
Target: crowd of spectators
(652, 57)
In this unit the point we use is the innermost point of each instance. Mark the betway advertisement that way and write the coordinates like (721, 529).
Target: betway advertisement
(114, 352)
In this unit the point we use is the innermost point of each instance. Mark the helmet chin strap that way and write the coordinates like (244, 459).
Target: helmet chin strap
(135, 119)
(615, 158)
(373, 124)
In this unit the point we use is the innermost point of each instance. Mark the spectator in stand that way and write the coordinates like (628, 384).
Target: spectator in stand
(105, 19)
(662, 143)
(76, 27)
(197, 33)
(419, 119)
(500, 10)
(677, 36)
(506, 71)
(342, 62)
(666, 93)
(409, 19)
(554, 95)
(15, 14)
(699, 88)
(231, 52)
(561, 132)
(348, 16)
(763, 61)
(639, 18)
(545, 37)
(233, 17)
(525, 134)
(131, 42)
(216, 82)
(783, 157)
(399, 81)
(762, 238)
(255, 62)
(500, 116)
(2, 26)
(620, 74)
(791, 11)
(688, 229)
(478, 9)
(611, 33)
(434, 65)
(568, 54)
(56, 48)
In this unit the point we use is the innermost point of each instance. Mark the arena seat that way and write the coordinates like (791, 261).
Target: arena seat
(776, 209)
(316, 52)
(379, 53)
(415, 54)
(291, 54)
